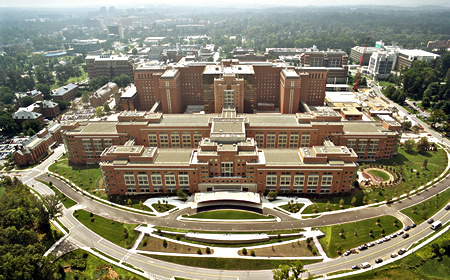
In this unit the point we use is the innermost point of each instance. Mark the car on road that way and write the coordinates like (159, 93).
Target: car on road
(356, 266)
(362, 247)
(406, 228)
(347, 253)
(400, 232)
(406, 235)
(378, 260)
(371, 244)
(430, 221)
(394, 235)
(447, 207)
(436, 225)
(402, 251)
(394, 255)
(412, 226)
(387, 238)
(379, 241)
(365, 265)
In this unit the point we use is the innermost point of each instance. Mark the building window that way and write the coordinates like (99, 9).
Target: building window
(156, 180)
(170, 180)
(327, 179)
(351, 143)
(285, 180)
(373, 146)
(98, 146)
(271, 180)
(143, 182)
(293, 140)
(107, 143)
(197, 138)
(305, 139)
(130, 182)
(270, 140)
(183, 180)
(175, 139)
(299, 180)
(227, 169)
(259, 137)
(362, 145)
(282, 140)
(186, 140)
(313, 179)
(228, 97)
(152, 140)
(164, 140)
(87, 145)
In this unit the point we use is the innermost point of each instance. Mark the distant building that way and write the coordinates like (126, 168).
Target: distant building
(438, 44)
(65, 93)
(382, 63)
(109, 66)
(334, 61)
(356, 52)
(38, 146)
(102, 95)
(85, 46)
(49, 108)
(115, 31)
(35, 94)
(23, 115)
(407, 57)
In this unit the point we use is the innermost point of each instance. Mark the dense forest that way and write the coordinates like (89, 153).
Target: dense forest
(25, 234)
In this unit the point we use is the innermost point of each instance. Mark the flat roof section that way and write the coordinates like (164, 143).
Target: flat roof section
(238, 196)
(95, 128)
(173, 157)
(282, 157)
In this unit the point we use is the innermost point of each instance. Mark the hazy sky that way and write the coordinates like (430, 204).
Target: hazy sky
(236, 3)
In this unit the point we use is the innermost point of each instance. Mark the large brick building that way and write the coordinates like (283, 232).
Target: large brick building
(250, 85)
(154, 152)
(109, 66)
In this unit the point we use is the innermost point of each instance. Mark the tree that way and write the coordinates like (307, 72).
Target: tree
(106, 107)
(244, 251)
(129, 202)
(406, 125)
(272, 195)
(409, 145)
(7, 96)
(286, 272)
(353, 200)
(437, 116)
(164, 243)
(425, 164)
(7, 123)
(181, 195)
(423, 144)
(45, 89)
(134, 51)
(426, 102)
(33, 124)
(415, 128)
(99, 111)
(341, 202)
(85, 97)
(26, 101)
(53, 205)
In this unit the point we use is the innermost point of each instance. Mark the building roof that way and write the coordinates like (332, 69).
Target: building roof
(26, 115)
(282, 157)
(95, 128)
(413, 53)
(358, 128)
(64, 90)
(49, 104)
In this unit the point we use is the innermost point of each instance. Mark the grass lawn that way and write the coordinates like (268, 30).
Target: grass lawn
(383, 175)
(320, 204)
(66, 201)
(229, 215)
(423, 211)
(419, 265)
(332, 241)
(292, 207)
(163, 207)
(386, 83)
(228, 264)
(293, 249)
(283, 231)
(79, 264)
(83, 76)
(408, 164)
(86, 177)
(109, 229)
(2, 190)
(150, 243)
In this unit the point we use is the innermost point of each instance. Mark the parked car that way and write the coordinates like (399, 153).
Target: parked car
(387, 238)
(406, 235)
(394, 255)
(379, 241)
(412, 226)
(400, 232)
(430, 221)
(362, 247)
(393, 235)
(378, 260)
(406, 228)
(365, 265)
(347, 253)
(402, 251)
(356, 267)
(447, 207)
(371, 244)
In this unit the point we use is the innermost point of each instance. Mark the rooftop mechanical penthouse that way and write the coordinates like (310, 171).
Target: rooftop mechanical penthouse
(310, 152)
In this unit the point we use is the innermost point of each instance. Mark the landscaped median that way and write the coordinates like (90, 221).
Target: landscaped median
(342, 237)
(116, 232)
(421, 212)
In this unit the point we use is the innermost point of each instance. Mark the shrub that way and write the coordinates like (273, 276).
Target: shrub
(91, 214)
(252, 253)
(244, 251)
(92, 219)
(164, 243)
(199, 251)
(208, 250)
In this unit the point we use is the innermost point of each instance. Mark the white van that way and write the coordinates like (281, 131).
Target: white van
(436, 225)
(365, 265)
